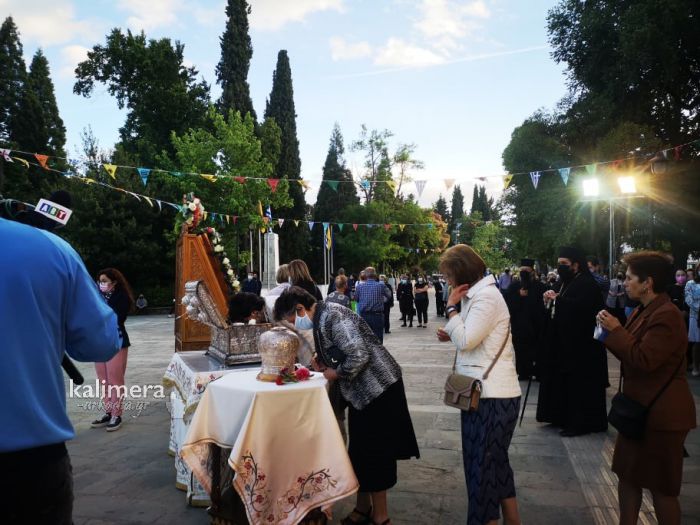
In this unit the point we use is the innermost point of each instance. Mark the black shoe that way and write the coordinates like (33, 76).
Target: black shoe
(114, 424)
(102, 422)
(410, 325)
(403, 325)
(387, 332)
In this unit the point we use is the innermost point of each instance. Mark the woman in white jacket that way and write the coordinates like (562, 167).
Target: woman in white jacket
(479, 332)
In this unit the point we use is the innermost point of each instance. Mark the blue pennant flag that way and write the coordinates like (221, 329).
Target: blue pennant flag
(564, 174)
(144, 173)
(311, 225)
(365, 184)
(325, 226)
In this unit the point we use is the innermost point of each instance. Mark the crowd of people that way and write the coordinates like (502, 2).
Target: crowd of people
(556, 328)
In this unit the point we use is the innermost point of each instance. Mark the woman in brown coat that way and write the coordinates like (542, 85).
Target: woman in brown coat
(652, 348)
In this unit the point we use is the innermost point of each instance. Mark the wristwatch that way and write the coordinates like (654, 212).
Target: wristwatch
(449, 310)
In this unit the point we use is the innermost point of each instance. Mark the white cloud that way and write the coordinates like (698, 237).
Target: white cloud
(70, 56)
(444, 23)
(147, 15)
(342, 50)
(49, 22)
(211, 16)
(269, 15)
(399, 53)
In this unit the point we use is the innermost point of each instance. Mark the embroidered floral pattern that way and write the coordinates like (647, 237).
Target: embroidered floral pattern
(257, 495)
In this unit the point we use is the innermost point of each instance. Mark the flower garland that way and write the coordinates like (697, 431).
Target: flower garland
(193, 210)
(299, 373)
(217, 242)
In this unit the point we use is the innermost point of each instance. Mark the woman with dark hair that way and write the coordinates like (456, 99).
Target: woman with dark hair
(117, 292)
(484, 350)
(651, 348)
(380, 427)
(299, 276)
(692, 299)
(246, 306)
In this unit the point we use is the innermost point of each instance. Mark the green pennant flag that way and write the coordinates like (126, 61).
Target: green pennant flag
(591, 168)
(333, 184)
(340, 226)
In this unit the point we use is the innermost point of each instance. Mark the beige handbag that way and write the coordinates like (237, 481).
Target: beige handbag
(464, 392)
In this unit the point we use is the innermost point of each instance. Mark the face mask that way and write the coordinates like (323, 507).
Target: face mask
(681, 279)
(420, 281)
(105, 287)
(524, 277)
(403, 281)
(303, 323)
(250, 276)
(565, 272)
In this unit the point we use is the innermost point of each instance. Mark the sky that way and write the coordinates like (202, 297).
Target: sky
(453, 77)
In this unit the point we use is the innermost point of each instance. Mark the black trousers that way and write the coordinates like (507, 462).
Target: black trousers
(422, 308)
(387, 324)
(40, 489)
(439, 305)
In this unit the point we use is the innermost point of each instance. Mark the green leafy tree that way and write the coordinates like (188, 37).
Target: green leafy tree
(150, 79)
(489, 241)
(340, 192)
(236, 53)
(375, 148)
(405, 163)
(42, 86)
(13, 74)
(294, 243)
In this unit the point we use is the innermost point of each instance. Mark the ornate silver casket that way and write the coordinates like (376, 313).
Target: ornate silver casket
(230, 345)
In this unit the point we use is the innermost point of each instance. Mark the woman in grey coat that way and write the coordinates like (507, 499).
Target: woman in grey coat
(380, 427)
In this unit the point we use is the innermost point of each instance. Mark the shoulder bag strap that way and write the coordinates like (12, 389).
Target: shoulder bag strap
(503, 346)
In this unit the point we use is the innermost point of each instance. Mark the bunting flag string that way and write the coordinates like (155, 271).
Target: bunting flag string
(564, 174)
(273, 184)
(111, 170)
(420, 186)
(535, 178)
(333, 184)
(43, 159)
(507, 180)
(144, 173)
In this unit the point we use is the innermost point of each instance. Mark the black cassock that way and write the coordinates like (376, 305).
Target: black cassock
(527, 318)
(573, 366)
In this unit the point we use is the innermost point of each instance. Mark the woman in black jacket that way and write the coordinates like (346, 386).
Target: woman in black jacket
(300, 276)
(117, 292)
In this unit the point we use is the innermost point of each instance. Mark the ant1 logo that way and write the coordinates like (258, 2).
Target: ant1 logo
(53, 211)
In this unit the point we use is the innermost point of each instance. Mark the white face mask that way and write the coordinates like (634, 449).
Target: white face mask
(250, 276)
(420, 281)
(105, 287)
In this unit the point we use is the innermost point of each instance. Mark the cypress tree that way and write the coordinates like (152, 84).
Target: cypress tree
(331, 202)
(13, 76)
(42, 86)
(457, 211)
(440, 208)
(484, 204)
(475, 200)
(280, 106)
(236, 52)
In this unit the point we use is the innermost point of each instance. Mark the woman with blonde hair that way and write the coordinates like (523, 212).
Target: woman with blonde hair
(481, 334)
(299, 276)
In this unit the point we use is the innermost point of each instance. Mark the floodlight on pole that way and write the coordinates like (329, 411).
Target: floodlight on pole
(591, 188)
(627, 184)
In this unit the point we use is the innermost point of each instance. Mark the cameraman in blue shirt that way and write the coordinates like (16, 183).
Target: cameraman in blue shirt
(49, 306)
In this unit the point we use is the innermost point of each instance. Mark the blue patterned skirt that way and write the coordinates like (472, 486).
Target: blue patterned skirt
(486, 436)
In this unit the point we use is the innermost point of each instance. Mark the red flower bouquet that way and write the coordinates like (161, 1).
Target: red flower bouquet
(299, 373)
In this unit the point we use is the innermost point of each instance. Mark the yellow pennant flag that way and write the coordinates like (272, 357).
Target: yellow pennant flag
(111, 169)
(507, 180)
(402, 226)
(304, 184)
(89, 180)
(210, 178)
(21, 161)
(148, 200)
(296, 222)
(260, 212)
(228, 219)
(392, 185)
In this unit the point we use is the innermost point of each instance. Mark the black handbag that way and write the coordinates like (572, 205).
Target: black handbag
(629, 417)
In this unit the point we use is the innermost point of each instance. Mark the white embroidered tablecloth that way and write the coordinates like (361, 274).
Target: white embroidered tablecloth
(287, 450)
(186, 378)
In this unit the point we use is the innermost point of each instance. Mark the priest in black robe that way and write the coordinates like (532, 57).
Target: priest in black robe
(527, 317)
(573, 366)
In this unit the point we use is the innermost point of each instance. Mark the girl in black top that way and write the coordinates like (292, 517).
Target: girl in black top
(117, 292)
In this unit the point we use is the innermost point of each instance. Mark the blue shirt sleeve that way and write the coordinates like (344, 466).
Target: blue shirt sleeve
(92, 333)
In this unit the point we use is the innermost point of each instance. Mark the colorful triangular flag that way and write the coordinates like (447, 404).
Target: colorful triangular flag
(535, 178)
(420, 186)
(354, 226)
(280, 222)
(392, 185)
(304, 184)
(325, 226)
(365, 184)
(6, 155)
(296, 222)
(240, 180)
(591, 168)
(21, 161)
(402, 226)
(144, 173)
(43, 159)
(449, 183)
(564, 174)
(111, 170)
(507, 179)
(311, 225)
(273, 184)
(333, 184)
(210, 178)
(340, 226)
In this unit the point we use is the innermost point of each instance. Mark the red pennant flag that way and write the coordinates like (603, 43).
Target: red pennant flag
(387, 227)
(354, 227)
(239, 179)
(42, 160)
(235, 218)
(273, 184)
(616, 164)
(677, 152)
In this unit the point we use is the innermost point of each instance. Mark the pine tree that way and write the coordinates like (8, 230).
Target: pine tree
(484, 204)
(42, 86)
(280, 106)
(440, 208)
(334, 197)
(13, 76)
(236, 52)
(457, 211)
(475, 200)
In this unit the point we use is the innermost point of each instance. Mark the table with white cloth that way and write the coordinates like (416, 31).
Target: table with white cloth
(186, 378)
(286, 451)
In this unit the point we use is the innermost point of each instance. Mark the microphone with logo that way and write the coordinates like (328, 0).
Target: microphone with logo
(50, 214)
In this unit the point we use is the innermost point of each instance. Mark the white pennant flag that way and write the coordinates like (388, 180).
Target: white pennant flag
(280, 222)
(449, 183)
(420, 186)
(6, 155)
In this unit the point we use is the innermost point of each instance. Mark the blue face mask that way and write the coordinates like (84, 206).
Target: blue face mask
(303, 323)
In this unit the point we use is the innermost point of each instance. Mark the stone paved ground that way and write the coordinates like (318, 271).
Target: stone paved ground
(126, 477)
